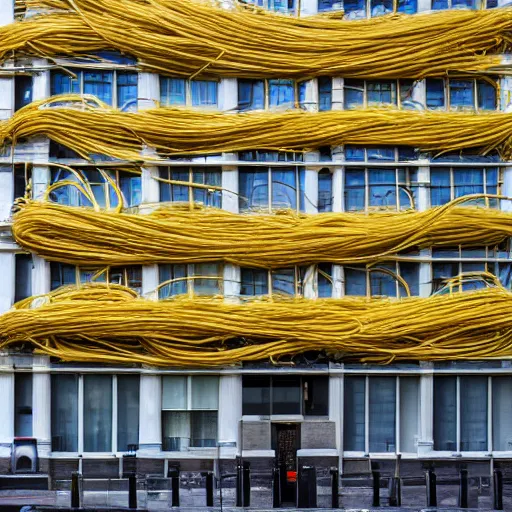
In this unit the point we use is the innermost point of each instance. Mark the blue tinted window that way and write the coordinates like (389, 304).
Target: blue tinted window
(355, 281)
(408, 6)
(208, 197)
(324, 283)
(462, 93)
(382, 283)
(204, 93)
(387, 154)
(439, 186)
(382, 187)
(410, 272)
(175, 273)
(63, 83)
(324, 93)
(254, 282)
(354, 153)
(381, 92)
(251, 94)
(486, 95)
(354, 93)
(355, 8)
(127, 90)
(440, 4)
(381, 7)
(324, 191)
(491, 4)
(468, 181)
(329, 5)
(435, 93)
(253, 189)
(131, 189)
(172, 91)
(281, 93)
(284, 188)
(354, 189)
(463, 3)
(99, 84)
(23, 91)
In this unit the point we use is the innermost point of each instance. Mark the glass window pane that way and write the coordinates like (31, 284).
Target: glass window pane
(22, 91)
(324, 284)
(284, 189)
(23, 277)
(23, 404)
(256, 395)
(172, 91)
(99, 84)
(354, 9)
(127, 411)
(468, 181)
(281, 92)
(176, 431)
(353, 89)
(316, 396)
(64, 413)
(473, 413)
(254, 282)
(354, 190)
(286, 395)
(204, 429)
(445, 413)
(251, 94)
(411, 273)
(204, 93)
(382, 414)
(408, 6)
(439, 186)
(382, 154)
(355, 281)
(283, 281)
(381, 92)
(97, 413)
(174, 392)
(253, 189)
(382, 284)
(462, 93)
(435, 89)
(486, 95)
(440, 4)
(353, 414)
(207, 286)
(127, 91)
(502, 413)
(324, 93)
(382, 187)
(205, 392)
(409, 414)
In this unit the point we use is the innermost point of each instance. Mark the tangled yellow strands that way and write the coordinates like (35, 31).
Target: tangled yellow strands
(177, 235)
(110, 324)
(186, 38)
(182, 131)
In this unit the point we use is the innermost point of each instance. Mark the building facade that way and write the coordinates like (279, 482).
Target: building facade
(351, 418)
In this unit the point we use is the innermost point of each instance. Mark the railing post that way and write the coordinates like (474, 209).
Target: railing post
(132, 491)
(75, 491)
(335, 489)
(463, 492)
(498, 489)
(376, 488)
(246, 484)
(431, 488)
(175, 487)
(209, 489)
(276, 487)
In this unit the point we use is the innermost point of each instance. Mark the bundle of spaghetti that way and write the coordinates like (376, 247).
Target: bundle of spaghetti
(177, 235)
(187, 37)
(88, 126)
(207, 331)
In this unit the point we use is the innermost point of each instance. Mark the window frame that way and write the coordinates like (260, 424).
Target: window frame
(448, 90)
(190, 279)
(296, 87)
(300, 273)
(400, 102)
(188, 93)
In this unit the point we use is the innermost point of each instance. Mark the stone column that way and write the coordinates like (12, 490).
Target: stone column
(230, 414)
(150, 413)
(228, 94)
(41, 276)
(148, 90)
(426, 430)
(337, 94)
(41, 405)
(7, 291)
(7, 416)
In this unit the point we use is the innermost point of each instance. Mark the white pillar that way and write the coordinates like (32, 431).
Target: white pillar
(311, 183)
(41, 405)
(419, 93)
(41, 178)
(6, 191)
(505, 100)
(150, 281)
(150, 186)
(41, 81)
(7, 290)
(338, 281)
(228, 94)
(6, 95)
(230, 414)
(308, 7)
(310, 102)
(148, 90)
(336, 408)
(231, 280)
(424, 5)
(230, 184)
(506, 189)
(426, 431)
(425, 275)
(41, 277)
(7, 400)
(338, 155)
(150, 413)
(423, 199)
(337, 94)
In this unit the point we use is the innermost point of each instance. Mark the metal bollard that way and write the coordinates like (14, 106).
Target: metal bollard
(276, 487)
(306, 483)
(132, 491)
(335, 488)
(246, 484)
(431, 488)
(174, 474)
(498, 489)
(376, 488)
(395, 492)
(239, 485)
(209, 489)
(75, 491)
(464, 488)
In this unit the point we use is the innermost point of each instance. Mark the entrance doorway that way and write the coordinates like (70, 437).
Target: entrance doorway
(285, 442)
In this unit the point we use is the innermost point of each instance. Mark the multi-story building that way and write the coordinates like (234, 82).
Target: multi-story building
(350, 417)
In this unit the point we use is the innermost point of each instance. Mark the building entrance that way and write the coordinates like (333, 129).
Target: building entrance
(285, 442)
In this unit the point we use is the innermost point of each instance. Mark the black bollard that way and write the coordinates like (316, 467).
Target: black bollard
(276, 487)
(335, 490)
(246, 484)
(463, 490)
(132, 491)
(376, 488)
(395, 492)
(498, 489)
(209, 489)
(75, 491)
(175, 486)
(431, 488)
(239, 485)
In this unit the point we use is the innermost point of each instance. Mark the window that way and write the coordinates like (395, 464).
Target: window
(22, 91)
(380, 153)
(104, 194)
(116, 88)
(373, 409)
(23, 404)
(22, 175)
(447, 183)
(283, 6)
(371, 93)
(453, 4)
(265, 395)
(181, 92)
(170, 192)
(377, 281)
(189, 412)
(330, 5)
(65, 275)
(271, 188)
(23, 275)
(272, 93)
(460, 413)
(283, 281)
(99, 402)
(451, 261)
(198, 278)
(324, 93)
(325, 191)
(461, 94)
(380, 189)
(325, 280)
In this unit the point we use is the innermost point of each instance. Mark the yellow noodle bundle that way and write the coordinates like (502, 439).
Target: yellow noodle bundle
(111, 325)
(186, 38)
(176, 235)
(92, 127)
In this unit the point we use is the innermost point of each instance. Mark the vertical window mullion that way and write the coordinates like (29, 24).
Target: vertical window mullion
(189, 392)
(367, 415)
(452, 185)
(458, 412)
(365, 88)
(475, 95)
(188, 93)
(485, 180)
(490, 440)
(297, 188)
(114, 88)
(397, 284)
(366, 190)
(80, 413)
(397, 415)
(114, 413)
(397, 190)
(266, 93)
(190, 278)
(447, 90)
(270, 189)
(190, 189)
